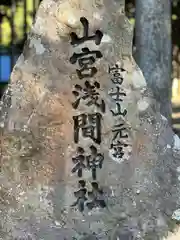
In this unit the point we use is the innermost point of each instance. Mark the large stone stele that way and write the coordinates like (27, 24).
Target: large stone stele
(55, 124)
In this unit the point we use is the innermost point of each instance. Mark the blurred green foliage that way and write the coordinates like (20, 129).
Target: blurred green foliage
(5, 8)
(19, 36)
(6, 18)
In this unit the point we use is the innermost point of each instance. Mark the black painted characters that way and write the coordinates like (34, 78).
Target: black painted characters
(117, 94)
(87, 58)
(88, 92)
(87, 125)
(79, 162)
(94, 161)
(116, 74)
(87, 70)
(118, 111)
(89, 199)
(90, 126)
(118, 149)
(118, 131)
(90, 162)
(75, 40)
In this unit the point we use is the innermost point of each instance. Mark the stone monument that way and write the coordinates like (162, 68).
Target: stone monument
(85, 153)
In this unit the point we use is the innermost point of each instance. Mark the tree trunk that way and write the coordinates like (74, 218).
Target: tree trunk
(153, 49)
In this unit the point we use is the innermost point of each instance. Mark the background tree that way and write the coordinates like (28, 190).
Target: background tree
(153, 48)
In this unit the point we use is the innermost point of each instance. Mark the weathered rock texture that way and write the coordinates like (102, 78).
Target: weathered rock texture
(139, 188)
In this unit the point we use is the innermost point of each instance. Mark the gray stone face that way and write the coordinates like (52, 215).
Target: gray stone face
(104, 122)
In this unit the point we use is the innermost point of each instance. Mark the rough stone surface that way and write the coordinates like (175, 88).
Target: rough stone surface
(140, 189)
